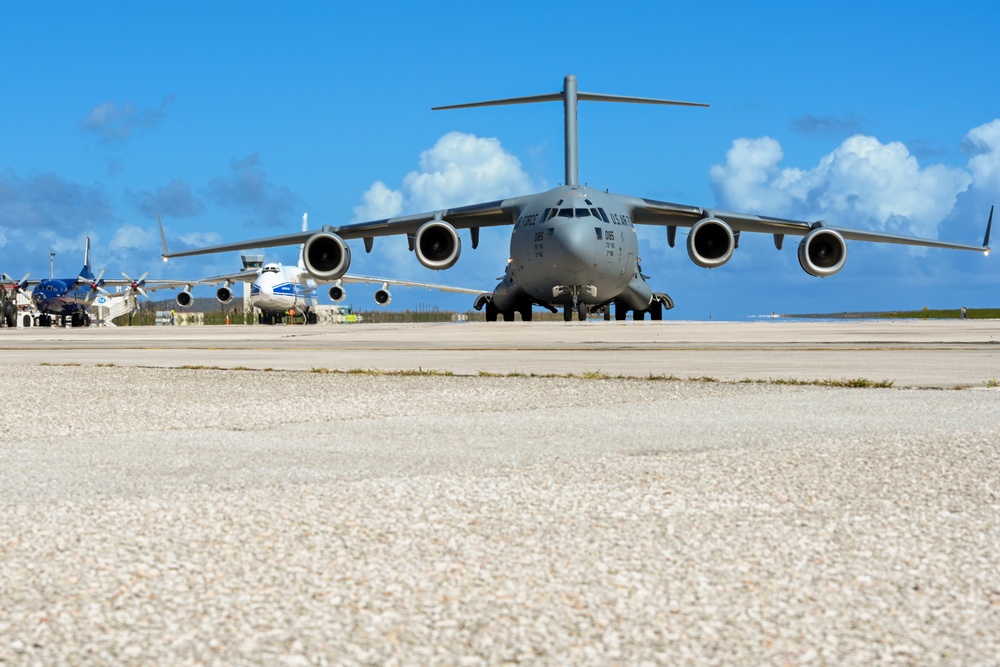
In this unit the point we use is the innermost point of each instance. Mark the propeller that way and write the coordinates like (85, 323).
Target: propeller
(96, 285)
(18, 285)
(137, 285)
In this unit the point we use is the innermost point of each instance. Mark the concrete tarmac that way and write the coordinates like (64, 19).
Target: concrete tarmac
(156, 508)
(932, 353)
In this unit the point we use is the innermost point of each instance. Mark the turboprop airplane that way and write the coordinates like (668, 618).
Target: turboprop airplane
(71, 298)
(575, 246)
(276, 289)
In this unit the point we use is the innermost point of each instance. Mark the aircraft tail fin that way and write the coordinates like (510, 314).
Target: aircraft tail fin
(86, 271)
(302, 246)
(570, 96)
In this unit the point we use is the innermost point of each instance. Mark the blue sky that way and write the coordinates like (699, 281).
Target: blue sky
(233, 119)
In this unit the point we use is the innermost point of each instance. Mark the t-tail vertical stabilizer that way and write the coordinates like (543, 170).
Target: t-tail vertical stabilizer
(570, 96)
(86, 271)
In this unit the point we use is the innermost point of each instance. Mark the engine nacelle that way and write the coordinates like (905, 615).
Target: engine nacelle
(711, 243)
(822, 252)
(224, 294)
(382, 295)
(326, 256)
(437, 245)
(184, 299)
(337, 293)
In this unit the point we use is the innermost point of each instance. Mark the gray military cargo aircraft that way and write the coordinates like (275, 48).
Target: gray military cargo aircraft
(575, 247)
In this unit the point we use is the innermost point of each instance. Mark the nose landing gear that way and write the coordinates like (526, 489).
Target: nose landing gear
(579, 307)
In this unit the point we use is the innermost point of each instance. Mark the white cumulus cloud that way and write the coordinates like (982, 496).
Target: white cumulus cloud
(862, 183)
(984, 141)
(379, 201)
(459, 169)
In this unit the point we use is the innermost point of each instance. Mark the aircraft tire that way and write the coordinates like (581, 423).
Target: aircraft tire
(581, 312)
(638, 315)
(656, 310)
(621, 312)
(491, 312)
(26, 322)
(526, 314)
(508, 315)
(567, 313)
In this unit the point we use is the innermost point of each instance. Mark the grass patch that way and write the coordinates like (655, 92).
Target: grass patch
(945, 314)
(852, 383)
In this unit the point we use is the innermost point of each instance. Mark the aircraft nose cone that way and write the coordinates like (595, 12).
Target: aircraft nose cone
(572, 247)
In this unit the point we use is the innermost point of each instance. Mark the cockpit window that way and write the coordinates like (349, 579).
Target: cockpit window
(602, 215)
(583, 212)
(269, 268)
(565, 213)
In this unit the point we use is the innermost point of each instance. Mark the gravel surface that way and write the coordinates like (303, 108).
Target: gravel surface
(187, 517)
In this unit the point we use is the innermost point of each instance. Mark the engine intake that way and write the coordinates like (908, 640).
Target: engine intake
(437, 245)
(337, 293)
(224, 295)
(711, 243)
(822, 252)
(326, 256)
(184, 299)
(382, 295)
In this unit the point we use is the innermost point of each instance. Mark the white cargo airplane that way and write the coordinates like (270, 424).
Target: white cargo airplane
(575, 246)
(277, 290)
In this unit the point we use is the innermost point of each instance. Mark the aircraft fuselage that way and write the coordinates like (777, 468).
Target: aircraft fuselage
(574, 244)
(62, 296)
(278, 289)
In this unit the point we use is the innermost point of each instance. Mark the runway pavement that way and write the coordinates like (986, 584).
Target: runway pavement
(938, 353)
(154, 514)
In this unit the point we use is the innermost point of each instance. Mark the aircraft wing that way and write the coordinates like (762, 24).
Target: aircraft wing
(651, 212)
(487, 214)
(350, 278)
(239, 277)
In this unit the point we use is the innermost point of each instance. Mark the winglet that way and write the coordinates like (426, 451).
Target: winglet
(163, 239)
(986, 239)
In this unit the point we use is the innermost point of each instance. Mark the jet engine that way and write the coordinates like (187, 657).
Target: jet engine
(437, 245)
(382, 295)
(326, 256)
(822, 252)
(224, 294)
(337, 293)
(711, 243)
(184, 299)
